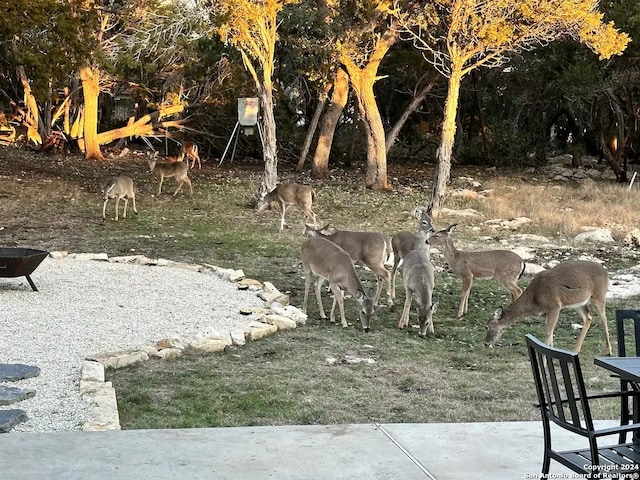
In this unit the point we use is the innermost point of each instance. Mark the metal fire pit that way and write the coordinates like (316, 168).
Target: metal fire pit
(18, 262)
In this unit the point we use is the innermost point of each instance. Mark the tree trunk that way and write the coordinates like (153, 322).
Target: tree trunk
(376, 175)
(443, 170)
(32, 118)
(91, 90)
(339, 97)
(313, 126)
(415, 102)
(270, 176)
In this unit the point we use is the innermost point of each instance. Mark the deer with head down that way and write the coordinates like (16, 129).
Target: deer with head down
(371, 249)
(178, 170)
(190, 150)
(119, 188)
(502, 265)
(329, 262)
(404, 242)
(287, 195)
(572, 284)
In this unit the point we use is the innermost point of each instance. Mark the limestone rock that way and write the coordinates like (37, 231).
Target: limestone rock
(59, 255)
(238, 338)
(632, 238)
(9, 395)
(597, 235)
(11, 418)
(11, 372)
(169, 343)
(270, 294)
(283, 323)
(258, 330)
(289, 311)
(170, 353)
(209, 345)
(92, 371)
(120, 360)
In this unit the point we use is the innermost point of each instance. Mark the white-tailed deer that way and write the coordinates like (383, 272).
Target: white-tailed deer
(179, 170)
(190, 150)
(573, 284)
(403, 242)
(329, 262)
(288, 194)
(418, 278)
(366, 248)
(502, 265)
(119, 188)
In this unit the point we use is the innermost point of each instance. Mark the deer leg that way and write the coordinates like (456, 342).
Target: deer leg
(338, 298)
(307, 284)
(117, 201)
(404, 318)
(464, 299)
(550, 325)
(160, 184)
(104, 208)
(512, 287)
(188, 180)
(600, 308)
(586, 324)
(319, 298)
(284, 211)
(133, 199)
(180, 182)
(126, 202)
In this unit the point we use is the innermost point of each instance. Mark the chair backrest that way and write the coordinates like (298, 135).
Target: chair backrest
(628, 332)
(560, 387)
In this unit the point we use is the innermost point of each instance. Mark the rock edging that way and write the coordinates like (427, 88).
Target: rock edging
(276, 315)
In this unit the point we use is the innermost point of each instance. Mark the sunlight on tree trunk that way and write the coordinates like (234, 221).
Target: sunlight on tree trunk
(270, 177)
(313, 126)
(446, 143)
(339, 97)
(91, 90)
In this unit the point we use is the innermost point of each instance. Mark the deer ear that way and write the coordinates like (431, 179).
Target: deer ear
(452, 227)
(498, 313)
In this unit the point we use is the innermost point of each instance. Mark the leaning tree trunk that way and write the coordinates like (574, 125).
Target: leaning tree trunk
(270, 176)
(91, 90)
(376, 175)
(415, 102)
(443, 170)
(313, 126)
(339, 97)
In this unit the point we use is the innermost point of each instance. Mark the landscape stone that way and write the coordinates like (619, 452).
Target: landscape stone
(12, 372)
(9, 395)
(11, 418)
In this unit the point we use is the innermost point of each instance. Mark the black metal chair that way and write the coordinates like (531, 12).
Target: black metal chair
(628, 333)
(563, 400)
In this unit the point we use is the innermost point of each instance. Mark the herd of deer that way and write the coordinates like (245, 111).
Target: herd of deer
(331, 257)
(122, 188)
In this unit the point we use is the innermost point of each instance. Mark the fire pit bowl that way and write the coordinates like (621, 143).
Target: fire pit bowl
(18, 262)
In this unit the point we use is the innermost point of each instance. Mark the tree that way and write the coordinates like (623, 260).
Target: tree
(473, 33)
(251, 27)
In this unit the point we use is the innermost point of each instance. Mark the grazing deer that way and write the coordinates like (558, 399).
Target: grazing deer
(367, 248)
(190, 150)
(502, 265)
(179, 170)
(572, 284)
(329, 262)
(119, 188)
(288, 194)
(404, 242)
(418, 278)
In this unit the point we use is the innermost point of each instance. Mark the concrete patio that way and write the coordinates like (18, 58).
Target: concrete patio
(482, 451)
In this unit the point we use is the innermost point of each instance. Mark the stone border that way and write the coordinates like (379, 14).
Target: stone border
(276, 314)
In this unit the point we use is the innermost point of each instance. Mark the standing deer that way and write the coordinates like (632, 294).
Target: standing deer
(573, 284)
(418, 278)
(119, 188)
(190, 150)
(329, 262)
(179, 170)
(404, 242)
(502, 265)
(288, 194)
(367, 248)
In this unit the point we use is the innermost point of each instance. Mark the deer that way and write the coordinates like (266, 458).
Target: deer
(404, 242)
(502, 265)
(371, 249)
(190, 150)
(327, 261)
(119, 188)
(418, 278)
(179, 170)
(287, 195)
(572, 284)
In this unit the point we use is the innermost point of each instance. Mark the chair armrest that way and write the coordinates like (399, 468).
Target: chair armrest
(617, 429)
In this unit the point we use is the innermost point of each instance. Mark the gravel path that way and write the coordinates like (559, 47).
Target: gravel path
(86, 307)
